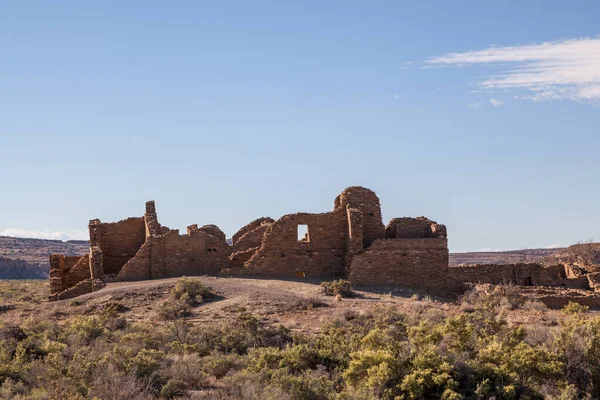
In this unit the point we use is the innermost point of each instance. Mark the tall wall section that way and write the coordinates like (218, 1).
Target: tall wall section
(118, 241)
(323, 251)
(414, 254)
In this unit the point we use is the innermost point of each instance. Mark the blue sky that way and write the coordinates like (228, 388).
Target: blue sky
(223, 112)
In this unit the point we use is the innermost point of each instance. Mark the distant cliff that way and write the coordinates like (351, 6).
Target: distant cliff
(29, 258)
(21, 269)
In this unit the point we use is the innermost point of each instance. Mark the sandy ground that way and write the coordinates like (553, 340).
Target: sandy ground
(274, 301)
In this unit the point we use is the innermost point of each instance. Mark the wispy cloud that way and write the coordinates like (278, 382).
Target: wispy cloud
(496, 103)
(566, 69)
(477, 104)
(554, 246)
(43, 234)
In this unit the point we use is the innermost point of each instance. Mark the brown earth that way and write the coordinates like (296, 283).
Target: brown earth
(300, 306)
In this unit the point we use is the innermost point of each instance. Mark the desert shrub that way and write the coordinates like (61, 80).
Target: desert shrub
(114, 385)
(338, 287)
(577, 343)
(86, 327)
(534, 305)
(387, 352)
(307, 303)
(219, 365)
(190, 291)
(506, 297)
(173, 309)
(173, 388)
(111, 308)
(574, 308)
(186, 294)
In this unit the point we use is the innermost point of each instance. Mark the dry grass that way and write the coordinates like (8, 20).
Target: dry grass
(23, 293)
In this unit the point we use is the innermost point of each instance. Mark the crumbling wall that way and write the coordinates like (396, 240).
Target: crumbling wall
(118, 241)
(414, 253)
(324, 251)
(211, 230)
(263, 221)
(252, 238)
(171, 254)
(67, 271)
(523, 274)
(413, 228)
(418, 263)
(367, 202)
(283, 255)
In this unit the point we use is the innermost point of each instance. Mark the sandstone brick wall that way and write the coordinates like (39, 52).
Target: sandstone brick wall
(237, 260)
(82, 287)
(418, 263)
(420, 227)
(367, 202)
(518, 274)
(354, 235)
(282, 254)
(252, 238)
(214, 231)
(67, 271)
(266, 221)
(171, 254)
(119, 241)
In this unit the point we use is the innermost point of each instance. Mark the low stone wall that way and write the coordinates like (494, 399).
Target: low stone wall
(525, 274)
(418, 263)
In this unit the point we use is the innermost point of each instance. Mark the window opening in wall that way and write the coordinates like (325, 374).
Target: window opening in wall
(303, 233)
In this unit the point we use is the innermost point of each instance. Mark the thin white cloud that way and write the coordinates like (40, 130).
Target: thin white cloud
(496, 103)
(43, 234)
(554, 246)
(566, 69)
(477, 104)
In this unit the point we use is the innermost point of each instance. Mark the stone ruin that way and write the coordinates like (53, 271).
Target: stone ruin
(350, 242)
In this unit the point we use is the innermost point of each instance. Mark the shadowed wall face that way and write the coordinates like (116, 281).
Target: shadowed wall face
(118, 241)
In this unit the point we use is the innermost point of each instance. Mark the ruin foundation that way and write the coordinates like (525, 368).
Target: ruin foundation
(350, 241)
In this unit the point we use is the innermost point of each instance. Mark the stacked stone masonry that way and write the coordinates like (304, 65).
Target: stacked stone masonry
(350, 241)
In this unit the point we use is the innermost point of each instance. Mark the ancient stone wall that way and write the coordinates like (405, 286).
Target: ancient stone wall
(67, 271)
(331, 239)
(367, 202)
(171, 254)
(417, 263)
(252, 238)
(350, 241)
(413, 228)
(518, 274)
(266, 221)
(118, 241)
(282, 254)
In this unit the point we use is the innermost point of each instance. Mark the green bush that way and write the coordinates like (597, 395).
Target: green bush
(388, 353)
(186, 294)
(338, 287)
(190, 291)
(575, 308)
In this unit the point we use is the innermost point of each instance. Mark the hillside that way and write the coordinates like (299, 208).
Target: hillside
(235, 339)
